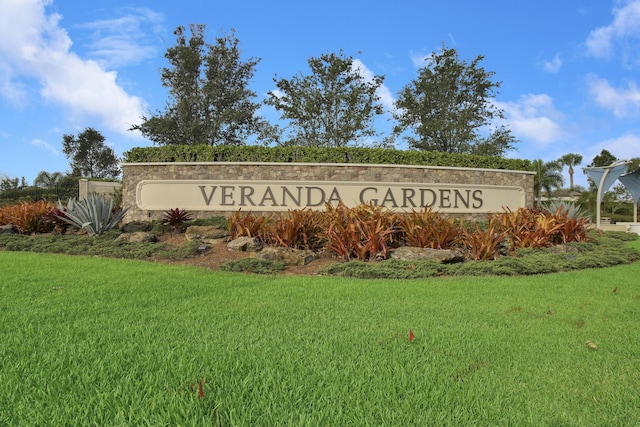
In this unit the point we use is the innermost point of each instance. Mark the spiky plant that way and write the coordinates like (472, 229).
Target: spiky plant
(93, 214)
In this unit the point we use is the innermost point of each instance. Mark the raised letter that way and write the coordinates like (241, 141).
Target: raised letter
(423, 203)
(309, 198)
(244, 194)
(334, 196)
(373, 201)
(207, 199)
(388, 197)
(407, 196)
(477, 196)
(295, 201)
(227, 195)
(444, 198)
(268, 195)
(458, 196)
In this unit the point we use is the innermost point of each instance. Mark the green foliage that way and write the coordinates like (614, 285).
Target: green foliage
(253, 265)
(211, 102)
(332, 107)
(359, 155)
(603, 251)
(448, 105)
(548, 176)
(104, 245)
(94, 214)
(90, 156)
(570, 160)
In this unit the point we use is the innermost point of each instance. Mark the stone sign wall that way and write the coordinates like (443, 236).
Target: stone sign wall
(206, 189)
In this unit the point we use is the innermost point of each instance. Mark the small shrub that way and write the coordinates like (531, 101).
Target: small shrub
(176, 218)
(247, 224)
(429, 229)
(93, 214)
(483, 244)
(298, 229)
(28, 217)
(253, 265)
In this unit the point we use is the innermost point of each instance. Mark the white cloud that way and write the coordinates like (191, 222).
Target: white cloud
(624, 147)
(386, 97)
(624, 102)
(121, 41)
(43, 144)
(552, 66)
(35, 48)
(533, 118)
(419, 59)
(623, 33)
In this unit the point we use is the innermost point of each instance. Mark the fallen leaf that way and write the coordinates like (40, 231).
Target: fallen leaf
(591, 345)
(411, 336)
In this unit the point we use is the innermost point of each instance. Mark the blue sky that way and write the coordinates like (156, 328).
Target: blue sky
(569, 69)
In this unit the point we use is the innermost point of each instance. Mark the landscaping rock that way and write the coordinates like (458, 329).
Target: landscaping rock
(206, 233)
(134, 226)
(288, 256)
(245, 244)
(410, 253)
(137, 237)
(8, 229)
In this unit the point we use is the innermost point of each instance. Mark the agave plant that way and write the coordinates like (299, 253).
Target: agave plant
(93, 214)
(572, 210)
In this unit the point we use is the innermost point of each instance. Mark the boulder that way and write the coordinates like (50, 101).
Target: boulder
(137, 237)
(245, 244)
(410, 253)
(288, 256)
(8, 229)
(206, 233)
(135, 226)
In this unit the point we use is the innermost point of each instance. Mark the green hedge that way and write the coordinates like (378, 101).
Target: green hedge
(254, 153)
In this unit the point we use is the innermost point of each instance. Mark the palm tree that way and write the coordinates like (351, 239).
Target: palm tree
(47, 180)
(548, 176)
(570, 160)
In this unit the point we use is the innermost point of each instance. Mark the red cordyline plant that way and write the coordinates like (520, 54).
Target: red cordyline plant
(176, 218)
(248, 224)
(429, 229)
(28, 217)
(364, 232)
(298, 228)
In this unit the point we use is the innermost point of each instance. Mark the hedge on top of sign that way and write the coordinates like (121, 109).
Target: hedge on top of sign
(359, 155)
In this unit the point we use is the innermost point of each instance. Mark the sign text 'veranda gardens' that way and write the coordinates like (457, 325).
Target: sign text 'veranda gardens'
(232, 195)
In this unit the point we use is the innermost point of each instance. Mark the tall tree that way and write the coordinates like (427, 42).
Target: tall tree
(333, 106)
(209, 97)
(90, 156)
(449, 106)
(48, 180)
(570, 160)
(548, 176)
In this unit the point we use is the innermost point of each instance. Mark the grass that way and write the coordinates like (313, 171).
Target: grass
(94, 341)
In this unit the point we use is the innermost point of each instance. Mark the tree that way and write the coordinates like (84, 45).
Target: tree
(47, 180)
(570, 160)
(605, 158)
(90, 156)
(448, 106)
(209, 96)
(548, 176)
(332, 107)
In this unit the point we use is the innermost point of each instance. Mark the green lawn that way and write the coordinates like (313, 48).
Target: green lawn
(93, 341)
